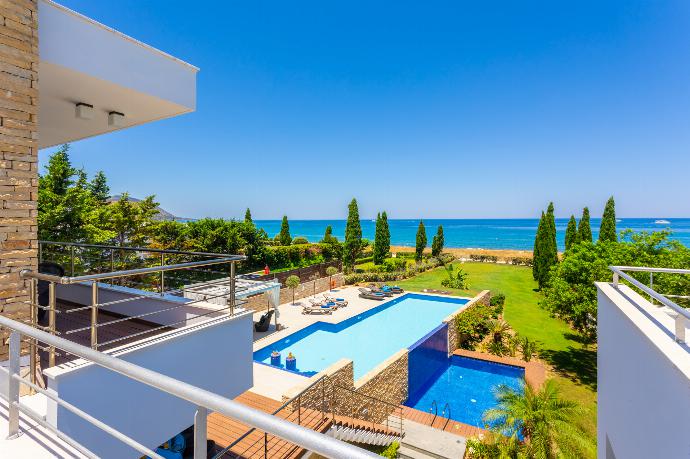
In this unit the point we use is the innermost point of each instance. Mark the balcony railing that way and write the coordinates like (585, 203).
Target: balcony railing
(190, 278)
(682, 319)
(204, 400)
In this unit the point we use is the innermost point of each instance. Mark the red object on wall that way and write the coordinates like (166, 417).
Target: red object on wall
(266, 270)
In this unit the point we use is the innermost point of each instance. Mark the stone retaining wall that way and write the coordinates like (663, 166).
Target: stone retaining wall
(260, 302)
(387, 382)
(484, 297)
(340, 374)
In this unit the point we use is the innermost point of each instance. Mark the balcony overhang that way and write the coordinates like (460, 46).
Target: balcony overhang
(83, 61)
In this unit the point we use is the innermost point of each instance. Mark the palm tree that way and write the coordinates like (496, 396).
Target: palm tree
(498, 328)
(545, 421)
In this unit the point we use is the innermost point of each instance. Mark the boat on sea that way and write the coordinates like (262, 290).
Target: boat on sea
(662, 222)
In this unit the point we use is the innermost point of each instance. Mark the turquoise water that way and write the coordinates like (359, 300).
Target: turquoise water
(368, 338)
(515, 234)
(467, 386)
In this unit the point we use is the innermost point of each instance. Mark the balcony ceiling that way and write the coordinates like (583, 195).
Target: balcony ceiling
(83, 61)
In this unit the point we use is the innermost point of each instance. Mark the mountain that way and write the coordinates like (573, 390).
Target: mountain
(162, 213)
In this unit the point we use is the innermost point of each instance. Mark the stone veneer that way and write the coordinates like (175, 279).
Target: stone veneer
(260, 302)
(361, 399)
(484, 297)
(18, 155)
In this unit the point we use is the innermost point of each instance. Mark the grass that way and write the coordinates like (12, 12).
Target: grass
(573, 363)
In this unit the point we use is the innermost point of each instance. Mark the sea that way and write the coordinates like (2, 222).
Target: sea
(514, 234)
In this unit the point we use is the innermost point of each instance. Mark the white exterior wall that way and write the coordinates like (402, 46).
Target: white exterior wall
(215, 357)
(643, 380)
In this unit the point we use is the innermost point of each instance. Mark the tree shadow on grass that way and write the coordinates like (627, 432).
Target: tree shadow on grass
(578, 365)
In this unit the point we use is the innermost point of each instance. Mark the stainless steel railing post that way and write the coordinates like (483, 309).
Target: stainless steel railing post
(232, 288)
(51, 321)
(13, 386)
(33, 304)
(94, 315)
(71, 260)
(162, 274)
(200, 432)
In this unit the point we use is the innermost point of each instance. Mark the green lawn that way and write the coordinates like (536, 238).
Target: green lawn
(574, 364)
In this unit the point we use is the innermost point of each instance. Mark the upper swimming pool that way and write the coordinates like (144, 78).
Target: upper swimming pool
(367, 338)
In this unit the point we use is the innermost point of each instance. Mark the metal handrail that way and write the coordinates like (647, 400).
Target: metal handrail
(434, 406)
(443, 413)
(203, 399)
(292, 400)
(683, 317)
(137, 249)
(66, 280)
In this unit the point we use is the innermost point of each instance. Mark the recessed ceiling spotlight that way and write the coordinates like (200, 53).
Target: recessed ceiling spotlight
(83, 111)
(116, 119)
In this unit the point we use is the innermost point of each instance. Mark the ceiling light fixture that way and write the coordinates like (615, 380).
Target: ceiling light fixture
(116, 119)
(83, 111)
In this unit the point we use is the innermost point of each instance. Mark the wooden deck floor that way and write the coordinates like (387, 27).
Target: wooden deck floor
(126, 330)
(455, 427)
(225, 431)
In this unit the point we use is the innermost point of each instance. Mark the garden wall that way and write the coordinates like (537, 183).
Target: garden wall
(427, 357)
(306, 274)
(260, 302)
(484, 297)
(386, 382)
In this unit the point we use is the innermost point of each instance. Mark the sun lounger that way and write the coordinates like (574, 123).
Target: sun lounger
(374, 289)
(368, 294)
(340, 302)
(392, 288)
(318, 309)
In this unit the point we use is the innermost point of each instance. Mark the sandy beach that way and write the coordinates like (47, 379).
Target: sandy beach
(465, 253)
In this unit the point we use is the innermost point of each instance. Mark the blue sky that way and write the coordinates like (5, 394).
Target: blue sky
(425, 109)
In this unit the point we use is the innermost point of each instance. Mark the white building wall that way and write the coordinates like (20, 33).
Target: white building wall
(216, 357)
(643, 384)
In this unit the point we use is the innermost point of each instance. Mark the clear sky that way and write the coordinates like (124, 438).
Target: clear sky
(425, 109)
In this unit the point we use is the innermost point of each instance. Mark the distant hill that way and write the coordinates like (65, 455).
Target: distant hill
(162, 213)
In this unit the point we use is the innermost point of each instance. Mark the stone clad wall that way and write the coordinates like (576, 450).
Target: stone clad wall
(387, 382)
(260, 302)
(484, 297)
(18, 154)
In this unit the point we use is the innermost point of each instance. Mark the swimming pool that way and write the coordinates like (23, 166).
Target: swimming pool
(368, 338)
(466, 384)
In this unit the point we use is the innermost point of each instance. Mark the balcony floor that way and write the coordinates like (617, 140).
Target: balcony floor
(65, 321)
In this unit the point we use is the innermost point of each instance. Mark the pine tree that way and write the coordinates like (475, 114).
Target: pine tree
(420, 241)
(353, 235)
(537, 254)
(584, 230)
(380, 251)
(386, 232)
(284, 236)
(99, 187)
(248, 216)
(437, 242)
(607, 230)
(570, 233)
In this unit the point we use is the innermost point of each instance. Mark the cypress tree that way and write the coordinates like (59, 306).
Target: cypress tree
(380, 251)
(284, 236)
(386, 233)
(551, 244)
(248, 216)
(437, 242)
(328, 237)
(570, 233)
(353, 235)
(537, 255)
(607, 230)
(420, 242)
(584, 230)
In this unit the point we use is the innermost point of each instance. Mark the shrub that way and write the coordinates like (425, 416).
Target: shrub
(395, 264)
(528, 348)
(391, 451)
(497, 301)
(483, 258)
(300, 240)
(521, 261)
(458, 281)
(471, 325)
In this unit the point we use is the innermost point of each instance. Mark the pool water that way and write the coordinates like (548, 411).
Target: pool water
(467, 385)
(368, 338)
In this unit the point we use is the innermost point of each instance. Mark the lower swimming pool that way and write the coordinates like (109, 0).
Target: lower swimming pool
(466, 384)
(368, 338)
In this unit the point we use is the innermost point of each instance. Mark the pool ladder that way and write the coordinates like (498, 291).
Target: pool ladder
(434, 408)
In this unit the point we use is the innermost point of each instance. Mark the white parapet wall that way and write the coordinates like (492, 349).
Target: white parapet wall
(216, 356)
(643, 380)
